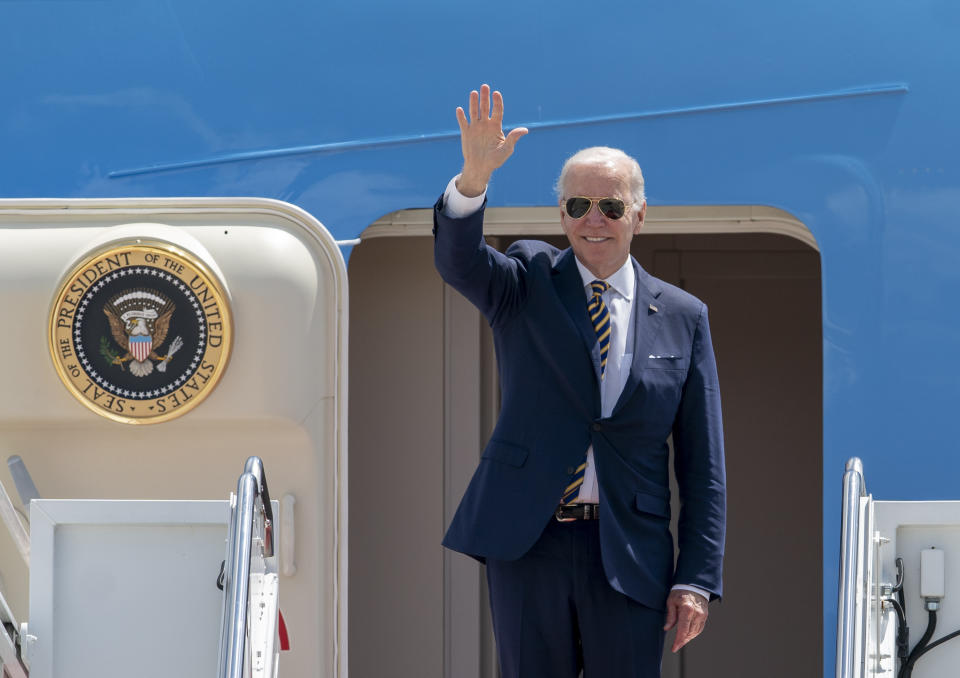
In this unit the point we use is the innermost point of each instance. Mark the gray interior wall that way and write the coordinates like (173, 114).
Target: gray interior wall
(395, 459)
(422, 400)
(763, 293)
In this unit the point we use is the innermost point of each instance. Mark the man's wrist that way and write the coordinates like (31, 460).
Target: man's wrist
(692, 588)
(456, 205)
(472, 184)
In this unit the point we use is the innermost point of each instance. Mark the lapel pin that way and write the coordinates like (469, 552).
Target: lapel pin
(653, 308)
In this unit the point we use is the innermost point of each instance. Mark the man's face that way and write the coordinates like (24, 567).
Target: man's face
(601, 244)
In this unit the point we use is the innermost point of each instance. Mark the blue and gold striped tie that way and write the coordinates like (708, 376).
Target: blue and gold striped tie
(600, 319)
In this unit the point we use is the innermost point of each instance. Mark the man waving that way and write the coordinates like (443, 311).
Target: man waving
(599, 364)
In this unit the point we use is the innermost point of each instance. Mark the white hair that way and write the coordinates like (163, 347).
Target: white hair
(603, 155)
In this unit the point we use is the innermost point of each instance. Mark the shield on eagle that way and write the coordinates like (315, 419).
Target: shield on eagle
(140, 347)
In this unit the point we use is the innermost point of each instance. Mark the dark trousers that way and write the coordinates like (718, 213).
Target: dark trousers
(554, 612)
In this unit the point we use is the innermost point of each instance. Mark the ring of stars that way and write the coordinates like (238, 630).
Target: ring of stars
(103, 381)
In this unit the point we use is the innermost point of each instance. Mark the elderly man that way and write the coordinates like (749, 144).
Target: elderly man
(599, 363)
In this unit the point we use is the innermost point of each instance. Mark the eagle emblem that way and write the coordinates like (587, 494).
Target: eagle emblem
(139, 322)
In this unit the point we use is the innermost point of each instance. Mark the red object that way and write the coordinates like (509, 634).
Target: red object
(282, 632)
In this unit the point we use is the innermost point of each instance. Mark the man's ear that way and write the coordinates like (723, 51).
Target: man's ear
(641, 215)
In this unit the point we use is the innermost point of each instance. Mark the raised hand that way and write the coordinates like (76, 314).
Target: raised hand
(485, 148)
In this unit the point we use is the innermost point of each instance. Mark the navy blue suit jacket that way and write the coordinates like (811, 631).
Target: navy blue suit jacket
(533, 298)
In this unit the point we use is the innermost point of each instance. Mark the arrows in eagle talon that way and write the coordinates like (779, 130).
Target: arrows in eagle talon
(175, 346)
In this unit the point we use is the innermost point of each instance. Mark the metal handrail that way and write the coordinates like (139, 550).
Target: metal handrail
(254, 465)
(251, 486)
(853, 489)
(10, 662)
(8, 514)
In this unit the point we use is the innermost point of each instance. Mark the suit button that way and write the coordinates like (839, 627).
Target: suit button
(597, 426)
(570, 470)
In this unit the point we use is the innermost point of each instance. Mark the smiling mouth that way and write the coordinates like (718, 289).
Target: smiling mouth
(590, 239)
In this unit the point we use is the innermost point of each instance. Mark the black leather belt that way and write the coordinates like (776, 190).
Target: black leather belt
(567, 512)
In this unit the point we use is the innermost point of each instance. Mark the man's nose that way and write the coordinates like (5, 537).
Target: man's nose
(594, 217)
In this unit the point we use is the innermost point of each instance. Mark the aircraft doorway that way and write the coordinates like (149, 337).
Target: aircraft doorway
(423, 397)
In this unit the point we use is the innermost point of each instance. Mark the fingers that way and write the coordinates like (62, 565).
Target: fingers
(479, 106)
(474, 99)
(685, 633)
(688, 611)
(514, 135)
(485, 101)
(462, 120)
(671, 614)
(497, 113)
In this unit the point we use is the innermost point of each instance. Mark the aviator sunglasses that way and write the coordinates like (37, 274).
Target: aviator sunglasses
(578, 206)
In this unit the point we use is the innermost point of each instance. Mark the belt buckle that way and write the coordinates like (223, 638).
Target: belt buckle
(558, 514)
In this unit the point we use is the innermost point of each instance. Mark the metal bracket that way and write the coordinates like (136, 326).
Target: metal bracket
(27, 643)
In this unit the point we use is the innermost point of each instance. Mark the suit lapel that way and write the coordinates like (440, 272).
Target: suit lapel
(647, 318)
(569, 286)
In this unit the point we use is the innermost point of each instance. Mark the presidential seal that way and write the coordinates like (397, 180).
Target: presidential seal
(141, 332)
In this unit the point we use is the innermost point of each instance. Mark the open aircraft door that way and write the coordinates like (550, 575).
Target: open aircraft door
(150, 346)
(899, 603)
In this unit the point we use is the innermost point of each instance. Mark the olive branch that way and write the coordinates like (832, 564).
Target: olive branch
(107, 353)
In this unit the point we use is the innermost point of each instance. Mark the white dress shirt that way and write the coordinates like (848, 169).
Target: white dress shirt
(619, 301)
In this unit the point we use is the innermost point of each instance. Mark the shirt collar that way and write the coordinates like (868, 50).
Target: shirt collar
(622, 281)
